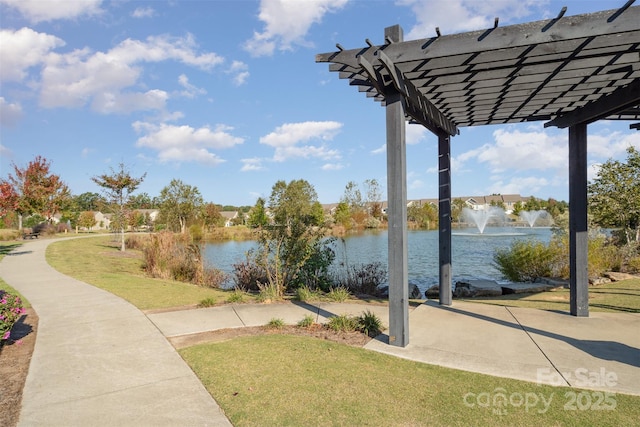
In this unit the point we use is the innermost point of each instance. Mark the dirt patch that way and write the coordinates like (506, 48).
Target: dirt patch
(356, 339)
(15, 357)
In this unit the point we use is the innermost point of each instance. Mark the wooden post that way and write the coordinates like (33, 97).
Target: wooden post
(578, 232)
(444, 210)
(397, 211)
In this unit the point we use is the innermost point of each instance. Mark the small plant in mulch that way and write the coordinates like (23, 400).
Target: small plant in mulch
(307, 321)
(10, 311)
(275, 324)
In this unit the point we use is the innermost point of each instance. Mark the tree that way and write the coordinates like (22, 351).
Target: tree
(87, 220)
(89, 202)
(294, 249)
(258, 214)
(211, 216)
(179, 204)
(614, 195)
(141, 201)
(118, 187)
(457, 205)
(374, 197)
(33, 190)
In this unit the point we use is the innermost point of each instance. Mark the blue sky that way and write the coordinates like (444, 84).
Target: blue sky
(227, 97)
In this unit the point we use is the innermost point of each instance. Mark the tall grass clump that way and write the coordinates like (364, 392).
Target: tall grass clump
(339, 294)
(174, 256)
(343, 323)
(370, 324)
(307, 321)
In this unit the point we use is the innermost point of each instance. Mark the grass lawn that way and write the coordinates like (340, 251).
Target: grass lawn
(279, 380)
(620, 297)
(99, 262)
(290, 380)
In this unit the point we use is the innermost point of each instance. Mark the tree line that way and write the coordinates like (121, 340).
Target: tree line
(35, 193)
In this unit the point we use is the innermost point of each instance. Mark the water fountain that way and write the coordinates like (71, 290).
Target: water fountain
(531, 216)
(480, 218)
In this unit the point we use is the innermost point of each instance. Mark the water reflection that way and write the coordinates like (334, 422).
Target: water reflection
(472, 252)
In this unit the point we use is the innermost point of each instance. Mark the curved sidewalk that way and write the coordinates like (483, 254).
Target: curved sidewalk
(98, 360)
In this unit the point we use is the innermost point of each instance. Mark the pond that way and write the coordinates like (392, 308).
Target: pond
(472, 252)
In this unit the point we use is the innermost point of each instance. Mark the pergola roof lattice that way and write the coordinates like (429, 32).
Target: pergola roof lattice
(527, 72)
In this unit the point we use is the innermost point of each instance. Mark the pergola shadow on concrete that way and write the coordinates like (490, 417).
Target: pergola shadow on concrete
(568, 71)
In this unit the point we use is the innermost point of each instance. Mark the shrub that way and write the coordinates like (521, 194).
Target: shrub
(275, 324)
(237, 296)
(173, 256)
(248, 274)
(136, 241)
(343, 323)
(10, 311)
(268, 293)
(303, 294)
(307, 321)
(207, 302)
(370, 324)
(196, 233)
(314, 272)
(525, 260)
(364, 278)
(339, 294)
(9, 234)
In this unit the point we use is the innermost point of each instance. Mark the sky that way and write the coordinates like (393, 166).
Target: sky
(227, 97)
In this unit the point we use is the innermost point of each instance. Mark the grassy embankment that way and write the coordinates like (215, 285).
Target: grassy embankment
(286, 380)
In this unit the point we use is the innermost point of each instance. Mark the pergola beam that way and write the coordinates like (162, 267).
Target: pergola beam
(520, 35)
(619, 100)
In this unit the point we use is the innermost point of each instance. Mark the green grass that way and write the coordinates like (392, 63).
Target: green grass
(5, 248)
(334, 384)
(99, 262)
(616, 297)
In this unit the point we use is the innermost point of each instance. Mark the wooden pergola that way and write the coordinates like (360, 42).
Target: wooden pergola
(568, 71)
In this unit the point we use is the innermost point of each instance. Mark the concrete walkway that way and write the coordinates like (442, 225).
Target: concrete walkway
(98, 360)
(600, 352)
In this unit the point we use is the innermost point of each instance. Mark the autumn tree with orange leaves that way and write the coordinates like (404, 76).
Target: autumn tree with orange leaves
(33, 190)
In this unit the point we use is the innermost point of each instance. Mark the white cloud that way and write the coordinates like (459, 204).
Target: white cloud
(288, 140)
(332, 167)
(184, 143)
(518, 150)
(240, 72)
(4, 151)
(190, 91)
(10, 113)
(612, 145)
(520, 185)
(287, 22)
(252, 164)
(415, 134)
(99, 78)
(23, 49)
(454, 16)
(380, 150)
(39, 10)
(143, 12)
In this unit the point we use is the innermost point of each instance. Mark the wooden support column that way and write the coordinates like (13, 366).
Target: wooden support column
(397, 211)
(578, 232)
(444, 211)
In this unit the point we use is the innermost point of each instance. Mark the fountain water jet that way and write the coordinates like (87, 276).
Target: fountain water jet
(531, 216)
(481, 217)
